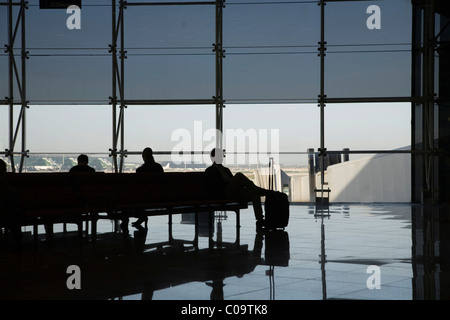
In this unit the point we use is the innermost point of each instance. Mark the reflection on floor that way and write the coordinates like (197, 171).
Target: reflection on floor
(395, 252)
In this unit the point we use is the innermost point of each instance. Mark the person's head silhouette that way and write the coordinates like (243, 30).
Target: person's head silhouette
(83, 160)
(147, 155)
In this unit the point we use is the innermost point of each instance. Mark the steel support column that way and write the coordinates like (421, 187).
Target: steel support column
(322, 96)
(218, 49)
(118, 77)
(425, 161)
(430, 190)
(14, 76)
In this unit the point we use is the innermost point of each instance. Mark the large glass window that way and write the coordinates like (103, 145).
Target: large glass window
(175, 130)
(69, 65)
(66, 128)
(271, 80)
(271, 52)
(272, 130)
(169, 52)
(368, 49)
(368, 126)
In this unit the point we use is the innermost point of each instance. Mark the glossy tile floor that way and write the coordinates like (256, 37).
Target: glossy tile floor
(356, 251)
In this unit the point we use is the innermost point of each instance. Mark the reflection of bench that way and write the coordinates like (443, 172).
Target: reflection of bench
(49, 198)
(143, 273)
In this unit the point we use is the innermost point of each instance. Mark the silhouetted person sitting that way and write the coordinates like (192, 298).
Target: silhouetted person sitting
(83, 165)
(9, 212)
(149, 166)
(2, 166)
(224, 184)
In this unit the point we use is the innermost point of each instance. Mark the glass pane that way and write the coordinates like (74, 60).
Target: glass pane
(271, 78)
(170, 77)
(170, 52)
(69, 128)
(367, 74)
(349, 23)
(270, 130)
(368, 49)
(75, 80)
(69, 65)
(372, 126)
(271, 51)
(63, 162)
(174, 27)
(47, 28)
(172, 129)
(272, 24)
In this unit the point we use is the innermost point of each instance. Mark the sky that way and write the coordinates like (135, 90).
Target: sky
(271, 56)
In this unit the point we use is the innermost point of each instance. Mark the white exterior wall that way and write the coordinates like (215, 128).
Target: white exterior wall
(383, 178)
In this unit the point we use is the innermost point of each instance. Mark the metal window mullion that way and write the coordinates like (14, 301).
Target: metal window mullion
(218, 48)
(428, 92)
(322, 91)
(23, 90)
(114, 84)
(10, 152)
(16, 28)
(122, 86)
(16, 73)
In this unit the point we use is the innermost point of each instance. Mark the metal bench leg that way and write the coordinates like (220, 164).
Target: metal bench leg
(210, 229)
(238, 227)
(170, 228)
(80, 229)
(196, 232)
(35, 232)
(94, 227)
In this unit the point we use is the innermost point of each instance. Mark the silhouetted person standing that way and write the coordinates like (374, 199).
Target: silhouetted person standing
(83, 165)
(149, 166)
(224, 184)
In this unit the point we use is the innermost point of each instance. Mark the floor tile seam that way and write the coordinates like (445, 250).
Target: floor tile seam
(246, 292)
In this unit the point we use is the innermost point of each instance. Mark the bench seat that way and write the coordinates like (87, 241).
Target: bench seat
(47, 198)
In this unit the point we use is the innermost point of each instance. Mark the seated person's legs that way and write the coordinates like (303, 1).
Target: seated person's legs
(243, 188)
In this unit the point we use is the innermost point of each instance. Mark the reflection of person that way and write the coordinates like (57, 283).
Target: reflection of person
(149, 166)
(224, 184)
(83, 165)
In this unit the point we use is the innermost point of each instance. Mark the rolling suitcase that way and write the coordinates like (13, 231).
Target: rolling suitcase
(276, 210)
(276, 206)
